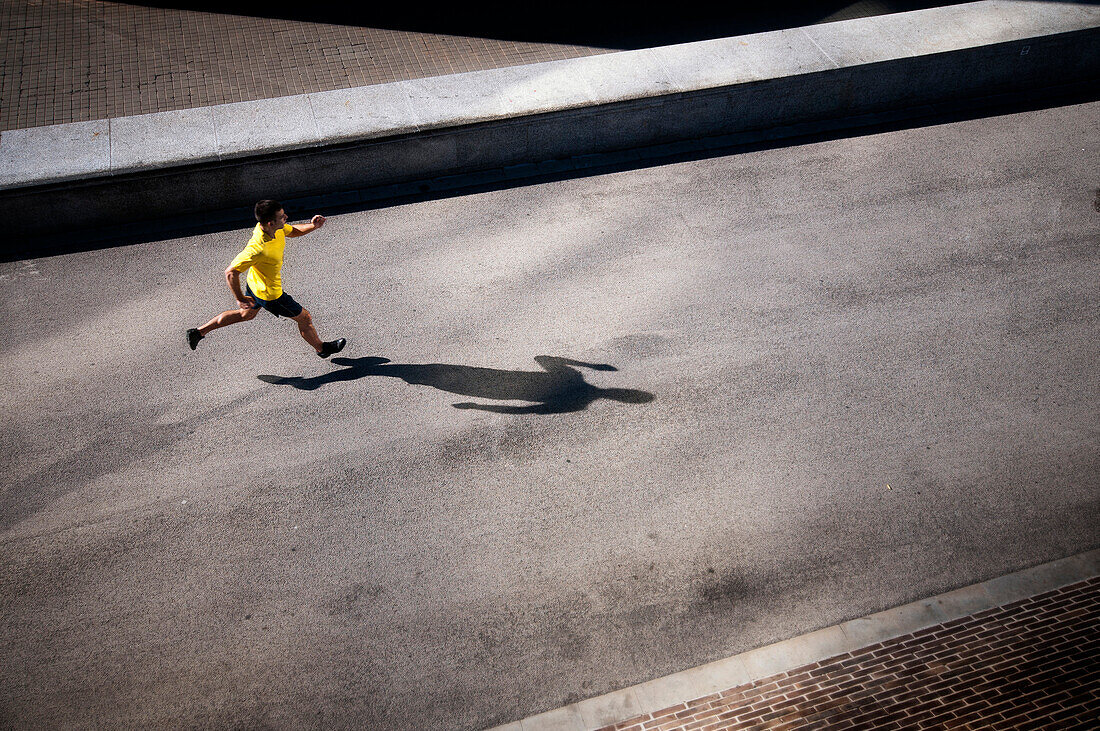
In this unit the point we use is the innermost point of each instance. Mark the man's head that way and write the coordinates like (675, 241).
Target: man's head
(270, 215)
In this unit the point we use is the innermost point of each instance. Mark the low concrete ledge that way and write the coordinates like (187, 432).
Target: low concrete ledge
(661, 693)
(130, 169)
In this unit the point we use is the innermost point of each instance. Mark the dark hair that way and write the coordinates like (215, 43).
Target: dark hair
(265, 210)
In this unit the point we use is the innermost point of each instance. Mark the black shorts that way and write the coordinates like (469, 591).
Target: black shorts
(285, 306)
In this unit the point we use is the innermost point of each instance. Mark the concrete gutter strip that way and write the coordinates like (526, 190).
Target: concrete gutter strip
(781, 657)
(127, 168)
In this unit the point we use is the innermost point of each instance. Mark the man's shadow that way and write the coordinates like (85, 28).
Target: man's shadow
(557, 389)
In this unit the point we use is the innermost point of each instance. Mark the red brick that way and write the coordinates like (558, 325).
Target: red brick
(638, 721)
(1075, 636)
(713, 726)
(733, 695)
(1015, 716)
(729, 714)
(903, 697)
(949, 626)
(768, 685)
(1088, 714)
(785, 726)
(805, 689)
(711, 712)
(684, 714)
(862, 651)
(668, 711)
(890, 726)
(1005, 668)
(1038, 723)
(1062, 714)
(795, 677)
(874, 666)
(869, 714)
(924, 708)
(707, 698)
(1046, 677)
(804, 669)
(816, 696)
(745, 715)
(829, 668)
(853, 684)
(668, 724)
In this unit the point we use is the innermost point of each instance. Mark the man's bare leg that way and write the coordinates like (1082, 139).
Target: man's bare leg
(229, 317)
(305, 327)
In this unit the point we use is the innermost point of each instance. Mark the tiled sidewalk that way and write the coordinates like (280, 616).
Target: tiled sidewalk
(1031, 664)
(78, 61)
(82, 60)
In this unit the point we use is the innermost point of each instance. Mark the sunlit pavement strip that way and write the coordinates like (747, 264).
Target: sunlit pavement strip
(672, 702)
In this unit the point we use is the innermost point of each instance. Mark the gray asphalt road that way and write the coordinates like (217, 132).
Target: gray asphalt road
(846, 375)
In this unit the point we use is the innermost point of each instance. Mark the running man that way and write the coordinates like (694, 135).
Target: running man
(263, 260)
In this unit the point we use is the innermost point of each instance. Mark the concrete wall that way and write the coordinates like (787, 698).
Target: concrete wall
(836, 95)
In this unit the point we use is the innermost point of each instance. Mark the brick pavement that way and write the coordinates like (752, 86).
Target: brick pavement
(80, 60)
(83, 60)
(1031, 664)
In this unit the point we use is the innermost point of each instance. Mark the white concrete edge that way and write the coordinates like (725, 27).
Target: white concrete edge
(781, 657)
(80, 150)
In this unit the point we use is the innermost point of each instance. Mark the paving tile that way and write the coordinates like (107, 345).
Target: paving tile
(457, 99)
(892, 623)
(1025, 583)
(792, 653)
(162, 137)
(56, 152)
(708, 64)
(664, 692)
(625, 75)
(950, 31)
(717, 676)
(561, 719)
(1088, 562)
(363, 112)
(608, 709)
(281, 123)
(858, 41)
(962, 602)
(542, 87)
(785, 53)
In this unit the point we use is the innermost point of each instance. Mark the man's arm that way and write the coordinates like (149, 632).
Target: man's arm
(233, 279)
(304, 228)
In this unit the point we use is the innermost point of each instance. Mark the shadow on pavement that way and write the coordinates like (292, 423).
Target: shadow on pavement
(559, 389)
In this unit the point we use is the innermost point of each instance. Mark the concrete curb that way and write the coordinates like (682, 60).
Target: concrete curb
(781, 657)
(130, 169)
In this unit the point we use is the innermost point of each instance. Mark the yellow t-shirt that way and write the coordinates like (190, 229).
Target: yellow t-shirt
(263, 257)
